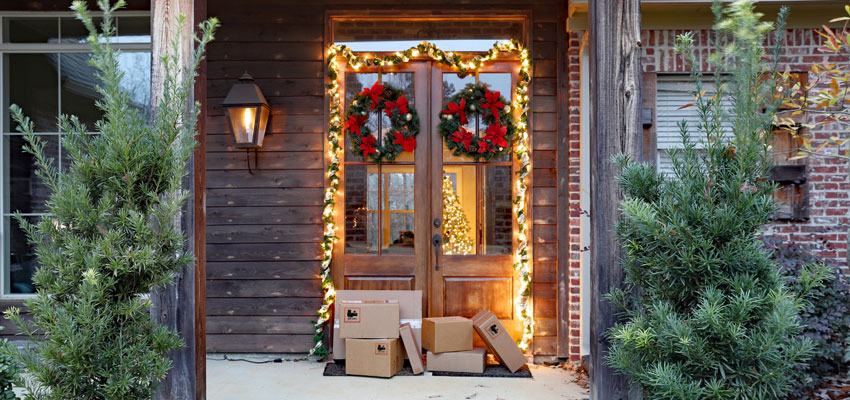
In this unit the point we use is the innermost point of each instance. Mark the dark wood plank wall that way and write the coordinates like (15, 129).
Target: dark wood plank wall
(263, 231)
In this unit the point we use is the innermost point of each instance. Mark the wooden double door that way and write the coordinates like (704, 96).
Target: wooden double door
(431, 220)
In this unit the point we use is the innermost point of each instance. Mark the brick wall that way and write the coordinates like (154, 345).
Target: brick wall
(828, 183)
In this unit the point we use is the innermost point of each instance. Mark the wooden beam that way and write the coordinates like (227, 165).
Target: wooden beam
(614, 129)
(200, 229)
(175, 305)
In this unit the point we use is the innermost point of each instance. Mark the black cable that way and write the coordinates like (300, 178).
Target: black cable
(274, 360)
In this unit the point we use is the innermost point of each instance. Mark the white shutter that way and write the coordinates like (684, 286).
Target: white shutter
(673, 92)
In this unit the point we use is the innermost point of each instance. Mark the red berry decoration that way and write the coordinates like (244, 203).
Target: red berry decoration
(473, 101)
(404, 124)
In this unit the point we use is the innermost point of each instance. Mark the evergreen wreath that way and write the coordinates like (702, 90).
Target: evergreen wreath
(472, 101)
(405, 123)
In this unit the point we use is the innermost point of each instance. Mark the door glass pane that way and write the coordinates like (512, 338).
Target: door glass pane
(452, 84)
(27, 192)
(22, 262)
(361, 206)
(458, 193)
(403, 81)
(32, 84)
(496, 82)
(31, 30)
(354, 84)
(496, 213)
(399, 189)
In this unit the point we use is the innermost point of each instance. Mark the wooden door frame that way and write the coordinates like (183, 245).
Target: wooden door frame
(435, 281)
(377, 262)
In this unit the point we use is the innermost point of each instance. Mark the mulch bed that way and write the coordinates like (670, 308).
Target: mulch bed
(834, 388)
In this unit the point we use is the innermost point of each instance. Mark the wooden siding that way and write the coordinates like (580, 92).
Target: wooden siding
(263, 231)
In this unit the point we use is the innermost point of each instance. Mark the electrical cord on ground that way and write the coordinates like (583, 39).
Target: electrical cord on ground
(273, 360)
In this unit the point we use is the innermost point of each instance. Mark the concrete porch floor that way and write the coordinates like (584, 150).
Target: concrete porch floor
(230, 380)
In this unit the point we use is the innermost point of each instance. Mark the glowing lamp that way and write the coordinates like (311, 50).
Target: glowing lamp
(247, 113)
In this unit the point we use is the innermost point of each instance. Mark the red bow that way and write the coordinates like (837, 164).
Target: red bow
(375, 93)
(354, 123)
(459, 108)
(407, 143)
(495, 133)
(401, 103)
(366, 145)
(462, 136)
(492, 102)
(483, 146)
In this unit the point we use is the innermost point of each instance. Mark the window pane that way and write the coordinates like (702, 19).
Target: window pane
(79, 84)
(32, 84)
(403, 81)
(452, 84)
(31, 30)
(497, 82)
(458, 192)
(134, 30)
(497, 216)
(399, 210)
(73, 30)
(354, 84)
(27, 192)
(361, 201)
(22, 263)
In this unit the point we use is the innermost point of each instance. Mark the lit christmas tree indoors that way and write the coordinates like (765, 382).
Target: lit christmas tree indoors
(456, 230)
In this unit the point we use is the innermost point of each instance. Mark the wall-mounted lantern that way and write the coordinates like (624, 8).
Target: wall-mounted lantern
(247, 115)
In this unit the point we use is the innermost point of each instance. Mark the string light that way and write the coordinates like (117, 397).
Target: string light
(522, 259)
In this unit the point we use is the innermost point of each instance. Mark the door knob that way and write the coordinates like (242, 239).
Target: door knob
(436, 240)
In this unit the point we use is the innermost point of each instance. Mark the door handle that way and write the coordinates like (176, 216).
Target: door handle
(436, 240)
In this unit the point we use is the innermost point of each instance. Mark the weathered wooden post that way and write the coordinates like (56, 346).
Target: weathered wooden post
(615, 77)
(180, 306)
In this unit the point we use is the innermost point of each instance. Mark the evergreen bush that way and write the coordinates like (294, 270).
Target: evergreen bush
(706, 314)
(112, 235)
(10, 371)
(825, 318)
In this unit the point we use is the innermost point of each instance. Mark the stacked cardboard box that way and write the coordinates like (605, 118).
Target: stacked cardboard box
(375, 338)
(449, 344)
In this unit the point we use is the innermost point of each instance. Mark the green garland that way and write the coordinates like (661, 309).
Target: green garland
(522, 256)
(402, 135)
(472, 101)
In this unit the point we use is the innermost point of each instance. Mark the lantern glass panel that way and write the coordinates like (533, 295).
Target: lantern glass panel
(242, 121)
(264, 119)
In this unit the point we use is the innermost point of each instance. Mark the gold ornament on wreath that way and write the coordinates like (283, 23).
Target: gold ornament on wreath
(403, 119)
(473, 101)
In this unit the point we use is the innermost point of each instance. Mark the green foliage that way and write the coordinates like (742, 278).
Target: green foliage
(10, 370)
(826, 317)
(113, 234)
(706, 312)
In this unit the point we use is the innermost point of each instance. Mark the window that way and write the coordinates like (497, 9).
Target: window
(44, 69)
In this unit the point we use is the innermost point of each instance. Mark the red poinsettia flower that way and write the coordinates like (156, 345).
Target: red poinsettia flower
(457, 108)
(401, 103)
(495, 133)
(354, 123)
(462, 136)
(375, 93)
(407, 143)
(492, 102)
(483, 147)
(367, 145)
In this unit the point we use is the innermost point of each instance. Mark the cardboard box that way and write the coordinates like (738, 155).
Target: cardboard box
(369, 319)
(499, 340)
(472, 361)
(444, 334)
(373, 357)
(409, 310)
(411, 348)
